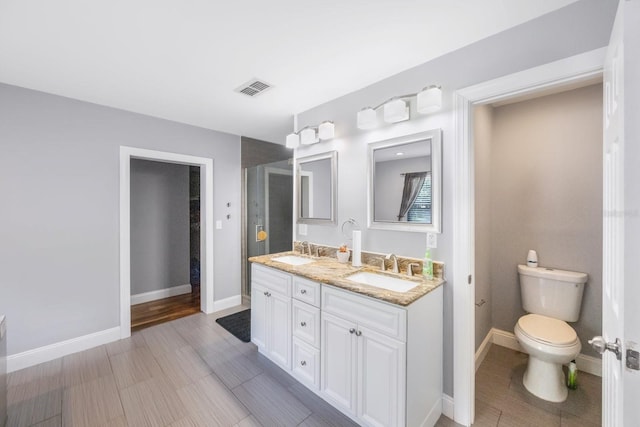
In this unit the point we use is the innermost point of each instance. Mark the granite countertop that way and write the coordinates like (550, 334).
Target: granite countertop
(329, 271)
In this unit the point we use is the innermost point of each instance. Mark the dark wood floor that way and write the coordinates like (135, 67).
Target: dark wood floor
(163, 310)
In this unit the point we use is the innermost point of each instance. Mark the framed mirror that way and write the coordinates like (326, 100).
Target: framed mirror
(316, 182)
(405, 183)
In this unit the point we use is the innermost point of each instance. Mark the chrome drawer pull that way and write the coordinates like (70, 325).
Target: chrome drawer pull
(303, 363)
(303, 324)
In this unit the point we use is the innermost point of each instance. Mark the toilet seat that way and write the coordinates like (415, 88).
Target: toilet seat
(547, 330)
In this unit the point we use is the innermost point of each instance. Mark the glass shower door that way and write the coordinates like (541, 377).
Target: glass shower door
(269, 211)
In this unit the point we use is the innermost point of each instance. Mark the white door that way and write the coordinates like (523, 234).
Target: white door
(621, 275)
(338, 373)
(259, 316)
(279, 314)
(381, 379)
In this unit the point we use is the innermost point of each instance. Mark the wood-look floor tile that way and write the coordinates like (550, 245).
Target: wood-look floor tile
(134, 366)
(486, 416)
(35, 373)
(270, 403)
(152, 403)
(85, 366)
(516, 412)
(209, 401)
(31, 403)
(184, 422)
(91, 404)
(250, 421)
(183, 366)
(271, 369)
(570, 420)
(321, 410)
(163, 338)
(136, 340)
(200, 336)
(232, 367)
(446, 422)
(51, 422)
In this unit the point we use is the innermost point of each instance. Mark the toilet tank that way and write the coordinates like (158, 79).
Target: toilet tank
(552, 292)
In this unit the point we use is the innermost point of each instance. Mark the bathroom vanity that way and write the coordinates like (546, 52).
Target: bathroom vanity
(374, 354)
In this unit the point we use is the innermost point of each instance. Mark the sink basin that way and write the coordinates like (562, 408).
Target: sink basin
(293, 260)
(381, 281)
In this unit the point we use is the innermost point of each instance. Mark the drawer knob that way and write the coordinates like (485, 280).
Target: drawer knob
(266, 293)
(303, 363)
(303, 291)
(358, 333)
(352, 331)
(303, 324)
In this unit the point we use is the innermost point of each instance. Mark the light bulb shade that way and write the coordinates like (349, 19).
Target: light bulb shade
(326, 130)
(308, 136)
(293, 140)
(429, 100)
(367, 118)
(395, 111)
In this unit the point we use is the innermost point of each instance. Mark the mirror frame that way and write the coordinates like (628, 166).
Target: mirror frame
(333, 157)
(436, 183)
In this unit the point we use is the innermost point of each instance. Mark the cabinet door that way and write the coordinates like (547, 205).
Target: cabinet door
(259, 316)
(381, 379)
(279, 332)
(338, 358)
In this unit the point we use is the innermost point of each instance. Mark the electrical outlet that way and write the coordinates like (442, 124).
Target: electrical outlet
(218, 225)
(302, 229)
(432, 240)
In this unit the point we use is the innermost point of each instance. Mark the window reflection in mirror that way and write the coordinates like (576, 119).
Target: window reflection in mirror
(404, 183)
(316, 179)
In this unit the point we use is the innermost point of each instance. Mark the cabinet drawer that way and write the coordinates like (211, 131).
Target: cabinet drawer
(306, 291)
(306, 364)
(274, 280)
(381, 317)
(306, 323)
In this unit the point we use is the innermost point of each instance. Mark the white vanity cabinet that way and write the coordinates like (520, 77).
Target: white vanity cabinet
(382, 364)
(379, 363)
(271, 314)
(306, 332)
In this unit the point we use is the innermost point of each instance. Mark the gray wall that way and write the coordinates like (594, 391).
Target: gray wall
(546, 194)
(59, 181)
(159, 225)
(482, 137)
(389, 185)
(577, 28)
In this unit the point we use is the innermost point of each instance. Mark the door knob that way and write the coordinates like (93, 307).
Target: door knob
(600, 345)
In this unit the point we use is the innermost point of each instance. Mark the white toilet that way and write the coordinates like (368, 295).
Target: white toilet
(552, 297)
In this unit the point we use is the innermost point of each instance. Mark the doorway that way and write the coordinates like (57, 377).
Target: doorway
(206, 229)
(537, 186)
(570, 70)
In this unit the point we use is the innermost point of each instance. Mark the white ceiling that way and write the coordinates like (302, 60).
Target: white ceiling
(182, 59)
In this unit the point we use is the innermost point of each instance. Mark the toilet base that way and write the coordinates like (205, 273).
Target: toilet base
(545, 380)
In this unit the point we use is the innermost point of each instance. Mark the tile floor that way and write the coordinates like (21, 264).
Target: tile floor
(191, 372)
(185, 373)
(502, 400)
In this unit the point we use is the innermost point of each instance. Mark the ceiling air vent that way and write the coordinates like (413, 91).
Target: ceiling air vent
(253, 87)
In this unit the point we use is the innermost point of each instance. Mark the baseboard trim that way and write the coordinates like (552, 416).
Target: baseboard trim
(28, 358)
(447, 406)
(482, 351)
(160, 293)
(589, 364)
(225, 303)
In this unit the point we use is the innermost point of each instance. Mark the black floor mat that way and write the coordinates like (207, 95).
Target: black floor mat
(239, 324)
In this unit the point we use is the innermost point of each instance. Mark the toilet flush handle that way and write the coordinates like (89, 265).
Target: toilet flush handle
(600, 345)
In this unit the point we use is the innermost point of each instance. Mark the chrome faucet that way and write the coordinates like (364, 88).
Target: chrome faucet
(410, 268)
(303, 244)
(395, 262)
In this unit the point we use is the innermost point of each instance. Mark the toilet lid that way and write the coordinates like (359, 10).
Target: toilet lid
(547, 329)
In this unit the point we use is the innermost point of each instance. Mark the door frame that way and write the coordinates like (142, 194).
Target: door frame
(206, 228)
(565, 71)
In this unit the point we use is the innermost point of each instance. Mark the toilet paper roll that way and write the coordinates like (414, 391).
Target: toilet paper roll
(356, 255)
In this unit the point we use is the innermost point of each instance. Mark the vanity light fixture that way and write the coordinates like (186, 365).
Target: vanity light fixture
(311, 134)
(396, 109)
